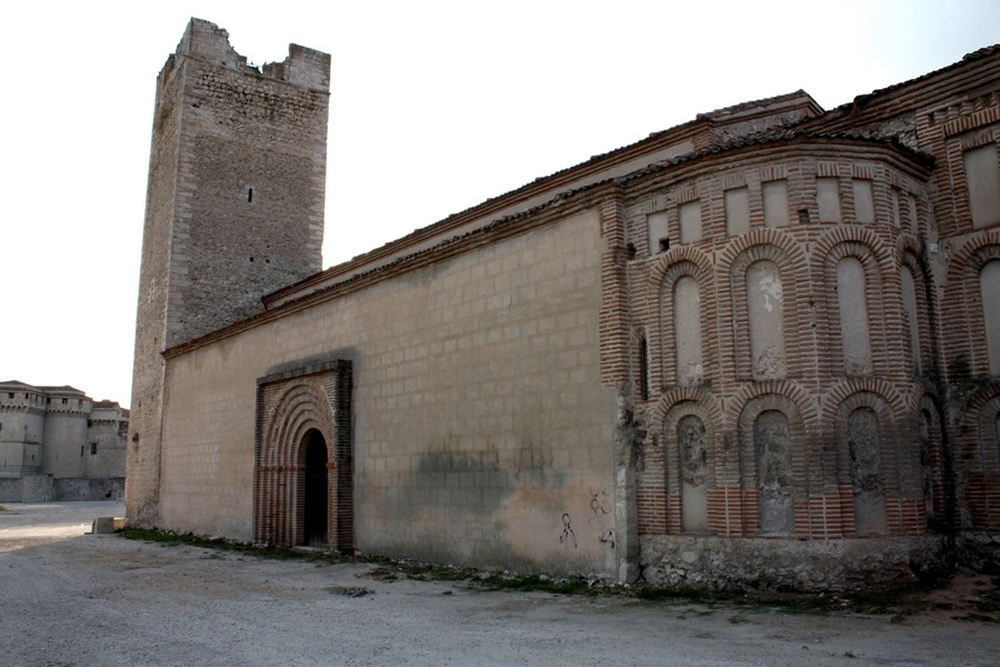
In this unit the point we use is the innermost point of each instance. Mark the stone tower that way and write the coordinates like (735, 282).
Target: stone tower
(234, 210)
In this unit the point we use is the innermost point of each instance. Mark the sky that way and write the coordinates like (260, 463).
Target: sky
(435, 106)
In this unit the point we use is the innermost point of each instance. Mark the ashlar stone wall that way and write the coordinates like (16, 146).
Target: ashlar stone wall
(481, 430)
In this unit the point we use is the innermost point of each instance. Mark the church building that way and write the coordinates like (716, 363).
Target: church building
(758, 349)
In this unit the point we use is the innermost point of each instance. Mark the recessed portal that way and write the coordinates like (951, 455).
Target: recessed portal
(316, 492)
(303, 491)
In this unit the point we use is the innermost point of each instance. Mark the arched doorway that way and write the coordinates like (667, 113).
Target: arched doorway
(303, 456)
(316, 494)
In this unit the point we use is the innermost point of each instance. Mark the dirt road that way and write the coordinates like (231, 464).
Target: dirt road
(71, 599)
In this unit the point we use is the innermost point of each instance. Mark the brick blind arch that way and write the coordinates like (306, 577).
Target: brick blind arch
(753, 450)
(779, 253)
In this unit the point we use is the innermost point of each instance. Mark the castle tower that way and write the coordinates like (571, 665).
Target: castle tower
(234, 210)
(66, 420)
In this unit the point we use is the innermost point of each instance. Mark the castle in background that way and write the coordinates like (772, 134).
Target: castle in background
(761, 348)
(57, 443)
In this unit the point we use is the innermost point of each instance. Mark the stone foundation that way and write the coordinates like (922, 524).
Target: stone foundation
(979, 551)
(716, 564)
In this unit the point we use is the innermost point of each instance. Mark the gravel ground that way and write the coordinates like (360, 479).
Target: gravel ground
(68, 598)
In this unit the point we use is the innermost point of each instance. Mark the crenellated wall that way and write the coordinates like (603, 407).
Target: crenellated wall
(56, 443)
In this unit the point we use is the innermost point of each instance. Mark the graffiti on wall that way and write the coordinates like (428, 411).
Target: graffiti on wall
(568, 536)
(601, 506)
(599, 523)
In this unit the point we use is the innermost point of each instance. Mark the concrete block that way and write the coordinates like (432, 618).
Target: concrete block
(106, 524)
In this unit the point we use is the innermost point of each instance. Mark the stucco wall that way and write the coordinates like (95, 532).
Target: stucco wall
(481, 432)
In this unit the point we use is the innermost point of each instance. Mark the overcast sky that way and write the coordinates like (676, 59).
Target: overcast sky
(435, 107)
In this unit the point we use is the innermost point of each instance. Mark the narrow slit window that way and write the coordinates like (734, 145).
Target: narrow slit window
(643, 370)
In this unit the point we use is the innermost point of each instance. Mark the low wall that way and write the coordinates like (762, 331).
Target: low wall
(27, 489)
(46, 489)
(73, 488)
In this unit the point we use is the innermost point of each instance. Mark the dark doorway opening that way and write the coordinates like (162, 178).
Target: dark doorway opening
(316, 500)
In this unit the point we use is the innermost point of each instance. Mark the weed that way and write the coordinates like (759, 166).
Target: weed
(349, 591)
(532, 582)
(990, 605)
(382, 573)
(430, 572)
(170, 538)
(981, 618)
(682, 594)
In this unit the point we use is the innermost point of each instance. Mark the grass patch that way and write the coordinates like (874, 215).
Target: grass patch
(3, 508)
(384, 569)
(172, 539)
(791, 603)
(496, 581)
(654, 594)
(899, 602)
(431, 572)
(382, 573)
(990, 604)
